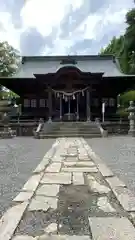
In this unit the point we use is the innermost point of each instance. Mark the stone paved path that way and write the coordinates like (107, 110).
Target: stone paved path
(71, 195)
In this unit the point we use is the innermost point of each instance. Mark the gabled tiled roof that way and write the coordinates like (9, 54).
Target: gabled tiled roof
(105, 64)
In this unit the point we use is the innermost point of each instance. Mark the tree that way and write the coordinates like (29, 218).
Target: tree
(9, 60)
(123, 47)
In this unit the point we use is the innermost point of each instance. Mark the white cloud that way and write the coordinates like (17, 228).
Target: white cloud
(8, 32)
(46, 15)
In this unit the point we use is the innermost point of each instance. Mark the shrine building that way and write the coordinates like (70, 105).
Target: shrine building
(65, 88)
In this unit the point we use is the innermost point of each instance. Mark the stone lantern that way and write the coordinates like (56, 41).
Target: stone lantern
(131, 117)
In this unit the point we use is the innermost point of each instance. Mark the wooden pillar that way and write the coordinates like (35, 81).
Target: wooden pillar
(50, 104)
(77, 107)
(69, 101)
(88, 105)
(60, 107)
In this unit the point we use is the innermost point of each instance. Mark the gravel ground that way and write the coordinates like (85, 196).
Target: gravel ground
(119, 154)
(18, 158)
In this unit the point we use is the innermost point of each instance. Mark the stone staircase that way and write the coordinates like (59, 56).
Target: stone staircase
(70, 129)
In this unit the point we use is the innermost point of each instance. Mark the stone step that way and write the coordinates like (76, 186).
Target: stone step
(97, 135)
(77, 128)
(71, 132)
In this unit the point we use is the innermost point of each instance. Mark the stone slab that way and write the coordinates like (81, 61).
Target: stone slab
(78, 178)
(125, 197)
(71, 159)
(79, 164)
(48, 190)
(57, 159)
(84, 158)
(32, 183)
(104, 205)
(111, 228)
(105, 171)
(53, 167)
(96, 187)
(57, 178)
(23, 196)
(51, 228)
(24, 237)
(41, 167)
(80, 169)
(10, 220)
(63, 237)
(115, 182)
(42, 203)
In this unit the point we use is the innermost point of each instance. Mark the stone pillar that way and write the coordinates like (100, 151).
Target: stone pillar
(50, 104)
(60, 107)
(77, 107)
(88, 105)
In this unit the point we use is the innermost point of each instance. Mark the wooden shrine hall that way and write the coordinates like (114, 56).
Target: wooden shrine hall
(68, 88)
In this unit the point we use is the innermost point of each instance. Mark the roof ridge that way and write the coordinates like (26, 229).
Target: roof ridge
(64, 57)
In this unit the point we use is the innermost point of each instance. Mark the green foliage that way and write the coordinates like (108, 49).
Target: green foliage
(126, 97)
(123, 47)
(9, 60)
(7, 95)
(121, 112)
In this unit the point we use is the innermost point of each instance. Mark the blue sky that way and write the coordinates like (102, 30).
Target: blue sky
(60, 27)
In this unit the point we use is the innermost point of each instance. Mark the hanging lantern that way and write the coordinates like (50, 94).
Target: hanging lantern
(83, 93)
(73, 97)
(58, 95)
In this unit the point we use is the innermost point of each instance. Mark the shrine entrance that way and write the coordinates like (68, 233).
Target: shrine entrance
(69, 106)
(72, 94)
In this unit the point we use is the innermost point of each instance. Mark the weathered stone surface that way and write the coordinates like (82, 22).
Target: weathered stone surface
(105, 171)
(23, 196)
(53, 167)
(78, 178)
(43, 203)
(104, 205)
(85, 163)
(115, 182)
(84, 158)
(70, 155)
(125, 197)
(58, 158)
(133, 214)
(32, 183)
(80, 169)
(41, 167)
(51, 228)
(58, 178)
(64, 237)
(69, 164)
(10, 220)
(71, 159)
(111, 228)
(48, 190)
(94, 186)
(24, 237)
(79, 164)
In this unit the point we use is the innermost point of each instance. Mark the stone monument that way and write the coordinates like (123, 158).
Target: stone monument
(131, 117)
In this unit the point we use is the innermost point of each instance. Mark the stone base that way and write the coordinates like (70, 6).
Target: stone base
(131, 133)
(6, 135)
